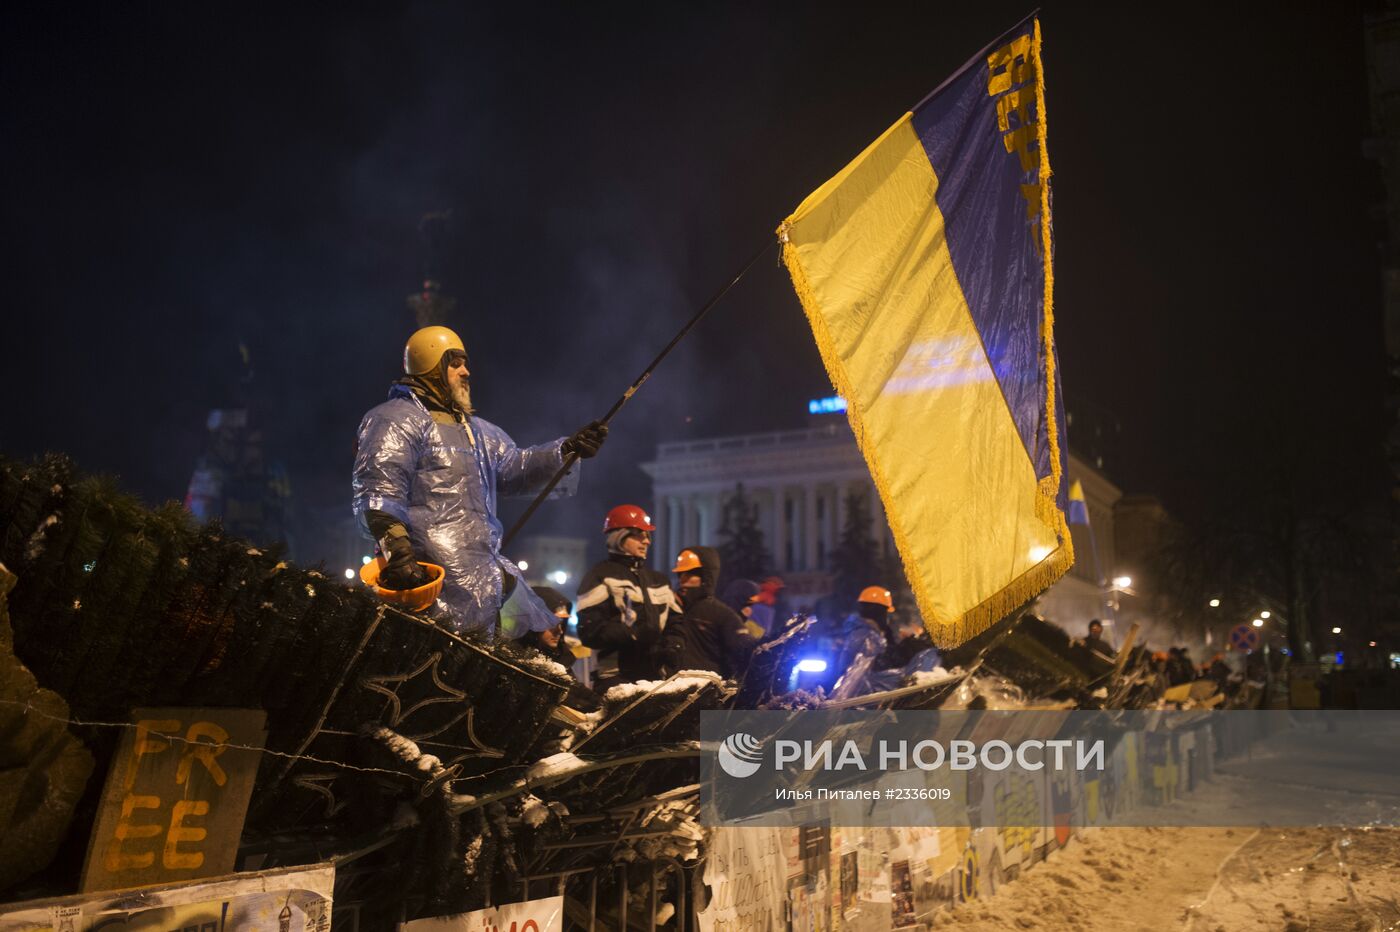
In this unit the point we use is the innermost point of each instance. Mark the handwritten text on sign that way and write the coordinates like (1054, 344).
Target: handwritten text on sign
(175, 798)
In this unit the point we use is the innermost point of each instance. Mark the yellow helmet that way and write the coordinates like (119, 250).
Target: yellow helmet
(425, 348)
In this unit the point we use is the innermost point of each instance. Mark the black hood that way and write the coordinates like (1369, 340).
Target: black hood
(709, 565)
(552, 598)
(709, 574)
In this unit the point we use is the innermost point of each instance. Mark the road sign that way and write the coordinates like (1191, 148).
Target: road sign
(1245, 637)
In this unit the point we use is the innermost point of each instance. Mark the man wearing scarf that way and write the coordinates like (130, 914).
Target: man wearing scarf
(623, 604)
(427, 476)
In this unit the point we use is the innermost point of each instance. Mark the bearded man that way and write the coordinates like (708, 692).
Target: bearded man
(428, 473)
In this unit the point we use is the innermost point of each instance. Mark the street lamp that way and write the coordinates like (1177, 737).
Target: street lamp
(1122, 582)
(1336, 630)
(524, 565)
(1263, 614)
(1214, 603)
(1258, 622)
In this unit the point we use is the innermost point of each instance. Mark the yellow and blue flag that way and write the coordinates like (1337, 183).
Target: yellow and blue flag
(1078, 508)
(924, 268)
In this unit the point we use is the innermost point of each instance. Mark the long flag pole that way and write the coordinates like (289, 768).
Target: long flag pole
(632, 390)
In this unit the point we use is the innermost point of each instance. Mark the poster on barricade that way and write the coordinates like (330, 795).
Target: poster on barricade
(292, 899)
(746, 873)
(542, 915)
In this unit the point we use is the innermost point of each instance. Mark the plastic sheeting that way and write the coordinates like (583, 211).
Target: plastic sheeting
(443, 480)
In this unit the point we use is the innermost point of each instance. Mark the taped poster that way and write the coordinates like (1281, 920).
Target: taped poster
(293, 899)
(746, 874)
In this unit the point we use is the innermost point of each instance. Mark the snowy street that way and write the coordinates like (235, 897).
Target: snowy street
(1204, 880)
(1222, 879)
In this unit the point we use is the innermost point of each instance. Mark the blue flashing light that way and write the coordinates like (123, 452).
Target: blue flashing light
(812, 665)
(833, 405)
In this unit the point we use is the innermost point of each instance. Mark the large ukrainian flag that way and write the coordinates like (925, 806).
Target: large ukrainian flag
(924, 269)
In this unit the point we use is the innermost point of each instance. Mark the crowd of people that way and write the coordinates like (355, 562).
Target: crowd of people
(1174, 666)
(428, 472)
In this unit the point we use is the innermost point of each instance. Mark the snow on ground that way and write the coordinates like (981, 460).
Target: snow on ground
(1224, 879)
(1203, 880)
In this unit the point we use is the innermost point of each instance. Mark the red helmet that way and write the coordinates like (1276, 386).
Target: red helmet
(628, 516)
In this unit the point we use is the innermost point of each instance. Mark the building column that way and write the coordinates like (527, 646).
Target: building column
(838, 514)
(692, 522)
(707, 509)
(661, 543)
(778, 542)
(812, 527)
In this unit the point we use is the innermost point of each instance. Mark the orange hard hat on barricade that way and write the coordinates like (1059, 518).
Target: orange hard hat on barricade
(877, 595)
(415, 600)
(629, 516)
(687, 561)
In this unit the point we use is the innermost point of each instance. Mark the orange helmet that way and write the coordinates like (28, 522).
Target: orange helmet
(628, 516)
(688, 561)
(877, 595)
(415, 600)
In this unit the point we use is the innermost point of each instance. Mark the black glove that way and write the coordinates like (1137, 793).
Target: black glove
(402, 569)
(586, 441)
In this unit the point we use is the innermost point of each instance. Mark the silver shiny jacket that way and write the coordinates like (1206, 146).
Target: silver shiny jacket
(442, 480)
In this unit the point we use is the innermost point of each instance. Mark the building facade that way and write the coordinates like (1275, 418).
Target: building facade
(798, 479)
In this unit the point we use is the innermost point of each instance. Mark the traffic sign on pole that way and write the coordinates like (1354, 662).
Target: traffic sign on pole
(1245, 637)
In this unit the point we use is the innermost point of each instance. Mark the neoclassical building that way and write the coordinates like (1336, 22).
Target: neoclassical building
(799, 480)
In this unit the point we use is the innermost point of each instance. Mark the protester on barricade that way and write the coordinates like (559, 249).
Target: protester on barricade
(739, 595)
(769, 610)
(708, 635)
(1218, 670)
(553, 642)
(869, 633)
(1179, 667)
(1094, 641)
(426, 479)
(623, 604)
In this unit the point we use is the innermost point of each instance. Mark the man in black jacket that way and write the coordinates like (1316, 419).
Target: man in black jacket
(623, 604)
(709, 635)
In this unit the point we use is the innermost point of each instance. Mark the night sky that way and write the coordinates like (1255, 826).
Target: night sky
(182, 178)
